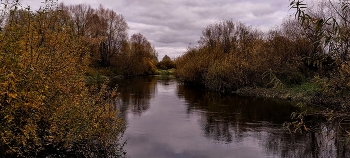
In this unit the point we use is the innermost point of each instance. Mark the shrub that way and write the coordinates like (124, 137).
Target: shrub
(45, 107)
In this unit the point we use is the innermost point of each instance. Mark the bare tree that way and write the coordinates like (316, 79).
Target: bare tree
(114, 36)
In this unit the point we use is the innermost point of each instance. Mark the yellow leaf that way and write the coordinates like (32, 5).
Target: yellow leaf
(14, 96)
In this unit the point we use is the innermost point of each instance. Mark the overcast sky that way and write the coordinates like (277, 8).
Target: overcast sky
(173, 25)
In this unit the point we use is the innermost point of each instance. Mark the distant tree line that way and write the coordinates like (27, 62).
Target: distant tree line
(166, 63)
(106, 36)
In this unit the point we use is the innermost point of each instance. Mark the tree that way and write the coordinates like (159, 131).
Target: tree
(140, 57)
(141, 46)
(115, 35)
(166, 63)
(80, 15)
(219, 35)
(103, 30)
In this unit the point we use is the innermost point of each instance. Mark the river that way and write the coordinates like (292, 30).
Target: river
(167, 119)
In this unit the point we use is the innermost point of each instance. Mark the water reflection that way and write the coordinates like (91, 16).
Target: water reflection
(135, 94)
(231, 119)
(168, 119)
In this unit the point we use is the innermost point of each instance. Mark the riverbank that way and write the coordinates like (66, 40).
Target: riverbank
(310, 92)
(306, 93)
(272, 93)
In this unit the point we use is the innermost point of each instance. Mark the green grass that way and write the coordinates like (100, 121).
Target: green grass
(300, 93)
(305, 89)
(165, 72)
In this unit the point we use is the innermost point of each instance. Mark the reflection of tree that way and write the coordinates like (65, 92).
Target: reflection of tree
(232, 119)
(219, 130)
(135, 94)
(324, 140)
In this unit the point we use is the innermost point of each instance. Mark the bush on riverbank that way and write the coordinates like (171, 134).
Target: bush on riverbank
(232, 55)
(45, 108)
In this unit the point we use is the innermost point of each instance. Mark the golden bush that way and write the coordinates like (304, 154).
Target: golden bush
(45, 107)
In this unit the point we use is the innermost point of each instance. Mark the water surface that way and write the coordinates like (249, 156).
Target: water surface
(168, 119)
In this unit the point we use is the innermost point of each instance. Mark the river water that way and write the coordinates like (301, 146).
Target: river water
(167, 119)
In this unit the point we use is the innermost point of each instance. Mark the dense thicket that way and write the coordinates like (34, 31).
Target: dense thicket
(312, 47)
(46, 109)
(232, 55)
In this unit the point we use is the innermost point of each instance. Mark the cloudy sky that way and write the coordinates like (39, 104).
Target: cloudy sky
(173, 25)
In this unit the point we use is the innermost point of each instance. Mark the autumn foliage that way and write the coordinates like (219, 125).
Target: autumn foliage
(312, 47)
(232, 55)
(138, 58)
(45, 107)
(105, 36)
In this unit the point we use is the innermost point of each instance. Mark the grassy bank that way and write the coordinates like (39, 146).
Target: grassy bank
(166, 72)
(297, 93)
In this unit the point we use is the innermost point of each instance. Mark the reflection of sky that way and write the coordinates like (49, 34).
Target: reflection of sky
(184, 122)
(166, 130)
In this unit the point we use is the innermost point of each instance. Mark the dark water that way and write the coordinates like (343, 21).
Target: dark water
(166, 119)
